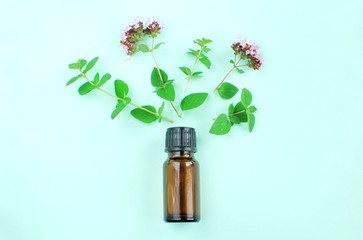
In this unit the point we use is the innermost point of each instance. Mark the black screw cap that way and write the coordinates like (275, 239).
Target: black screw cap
(180, 139)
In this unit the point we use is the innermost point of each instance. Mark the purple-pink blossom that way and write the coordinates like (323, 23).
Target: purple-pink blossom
(248, 52)
(136, 32)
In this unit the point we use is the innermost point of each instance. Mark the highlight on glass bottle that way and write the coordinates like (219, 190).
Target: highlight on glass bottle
(181, 176)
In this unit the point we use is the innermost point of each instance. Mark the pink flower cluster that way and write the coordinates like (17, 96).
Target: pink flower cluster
(153, 28)
(249, 52)
(136, 32)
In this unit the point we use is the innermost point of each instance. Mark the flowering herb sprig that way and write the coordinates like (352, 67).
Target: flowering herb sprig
(135, 40)
(200, 55)
(245, 55)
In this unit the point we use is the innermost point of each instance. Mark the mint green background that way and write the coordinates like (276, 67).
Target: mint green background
(67, 172)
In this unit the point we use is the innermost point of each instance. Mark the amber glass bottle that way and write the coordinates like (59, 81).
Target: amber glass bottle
(181, 176)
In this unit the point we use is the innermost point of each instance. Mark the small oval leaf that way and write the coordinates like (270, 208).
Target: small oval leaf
(251, 120)
(72, 80)
(104, 79)
(121, 88)
(86, 88)
(143, 48)
(246, 97)
(90, 65)
(221, 125)
(227, 90)
(186, 70)
(205, 60)
(193, 100)
(167, 92)
(158, 45)
(155, 77)
(144, 116)
(119, 107)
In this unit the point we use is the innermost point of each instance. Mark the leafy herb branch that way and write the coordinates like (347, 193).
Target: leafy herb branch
(146, 113)
(242, 112)
(165, 88)
(136, 38)
(199, 56)
(245, 55)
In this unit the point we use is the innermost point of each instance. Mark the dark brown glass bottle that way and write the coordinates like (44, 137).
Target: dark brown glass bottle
(181, 176)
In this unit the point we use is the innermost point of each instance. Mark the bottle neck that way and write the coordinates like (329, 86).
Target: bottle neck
(181, 154)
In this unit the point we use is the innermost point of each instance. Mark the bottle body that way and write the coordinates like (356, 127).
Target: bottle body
(181, 188)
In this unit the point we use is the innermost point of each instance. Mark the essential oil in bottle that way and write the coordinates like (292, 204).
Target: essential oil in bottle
(181, 176)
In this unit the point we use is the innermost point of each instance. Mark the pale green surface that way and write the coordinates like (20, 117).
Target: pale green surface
(67, 172)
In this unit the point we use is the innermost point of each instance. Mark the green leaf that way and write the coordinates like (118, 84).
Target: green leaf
(158, 45)
(252, 108)
(82, 63)
(104, 79)
(155, 77)
(193, 52)
(241, 110)
(206, 49)
(221, 125)
(96, 79)
(167, 92)
(206, 41)
(143, 48)
(246, 97)
(121, 88)
(73, 79)
(186, 70)
(119, 107)
(90, 65)
(227, 90)
(235, 120)
(202, 42)
(230, 109)
(86, 88)
(197, 74)
(231, 61)
(74, 65)
(193, 100)
(240, 70)
(144, 116)
(160, 111)
(205, 60)
(251, 120)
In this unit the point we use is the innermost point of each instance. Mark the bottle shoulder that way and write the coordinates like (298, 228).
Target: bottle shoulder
(189, 161)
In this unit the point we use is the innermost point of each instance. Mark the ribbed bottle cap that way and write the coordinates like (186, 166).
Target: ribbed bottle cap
(180, 139)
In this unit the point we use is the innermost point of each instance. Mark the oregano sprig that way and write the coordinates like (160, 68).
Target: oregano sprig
(200, 55)
(145, 113)
(242, 112)
(135, 40)
(245, 55)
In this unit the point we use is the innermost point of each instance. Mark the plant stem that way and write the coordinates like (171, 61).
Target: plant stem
(235, 65)
(225, 77)
(131, 103)
(176, 110)
(193, 68)
(161, 78)
(236, 113)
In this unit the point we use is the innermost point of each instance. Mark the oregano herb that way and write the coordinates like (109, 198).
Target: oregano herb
(141, 37)
(200, 55)
(121, 90)
(241, 113)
